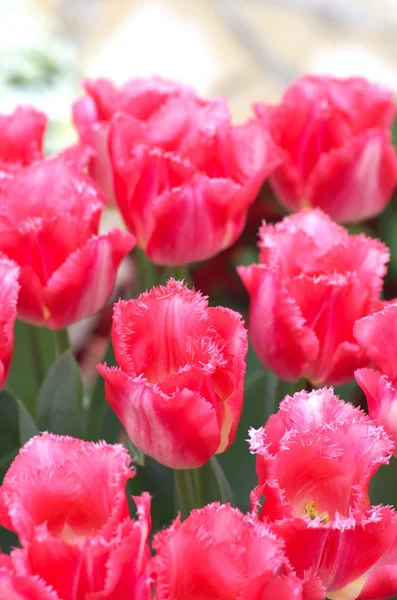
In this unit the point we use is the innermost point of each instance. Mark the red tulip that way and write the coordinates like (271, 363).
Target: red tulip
(217, 553)
(184, 177)
(49, 215)
(21, 136)
(179, 387)
(378, 337)
(312, 284)
(140, 98)
(336, 144)
(66, 501)
(186, 197)
(15, 585)
(9, 289)
(315, 461)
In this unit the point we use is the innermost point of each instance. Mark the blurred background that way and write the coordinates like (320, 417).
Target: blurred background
(247, 50)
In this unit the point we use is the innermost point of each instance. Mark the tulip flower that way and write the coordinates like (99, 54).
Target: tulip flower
(66, 501)
(21, 136)
(219, 554)
(179, 387)
(335, 138)
(313, 282)
(22, 141)
(183, 176)
(141, 98)
(315, 461)
(186, 199)
(49, 217)
(9, 289)
(376, 334)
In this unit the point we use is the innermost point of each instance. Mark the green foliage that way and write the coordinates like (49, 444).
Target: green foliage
(59, 402)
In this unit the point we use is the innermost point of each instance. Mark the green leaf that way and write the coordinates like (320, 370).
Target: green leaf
(27, 427)
(101, 423)
(383, 488)
(59, 403)
(214, 486)
(158, 480)
(387, 233)
(394, 133)
(9, 431)
(237, 462)
(34, 353)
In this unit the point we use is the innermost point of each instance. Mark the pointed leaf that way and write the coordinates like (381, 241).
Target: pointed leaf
(34, 353)
(27, 427)
(59, 403)
(97, 410)
(214, 486)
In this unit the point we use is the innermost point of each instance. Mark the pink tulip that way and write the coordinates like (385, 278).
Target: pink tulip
(334, 135)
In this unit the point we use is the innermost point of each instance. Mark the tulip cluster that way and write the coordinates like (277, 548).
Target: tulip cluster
(90, 464)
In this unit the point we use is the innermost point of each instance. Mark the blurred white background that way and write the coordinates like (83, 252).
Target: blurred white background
(247, 50)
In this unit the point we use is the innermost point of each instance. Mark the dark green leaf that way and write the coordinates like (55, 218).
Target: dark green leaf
(97, 426)
(394, 133)
(159, 482)
(383, 489)
(9, 431)
(237, 462)
(59, 403)
(214, 487)
(34, 353)
(27, 427)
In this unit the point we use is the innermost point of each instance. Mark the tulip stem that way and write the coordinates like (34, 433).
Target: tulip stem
(197, 487)
(299, 386)
(272, 385)
(184, 492)
(61, 340)
(147, 271)
(180, 272)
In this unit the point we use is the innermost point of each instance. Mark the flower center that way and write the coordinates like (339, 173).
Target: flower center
(312, 512)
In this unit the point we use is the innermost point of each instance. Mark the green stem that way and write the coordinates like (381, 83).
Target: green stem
(39, 368)
(197, 487)
(184, 492)
(299, 386)
(61, 340)
(147, 271)
(272, 385)
(180, 272)
(34, 354)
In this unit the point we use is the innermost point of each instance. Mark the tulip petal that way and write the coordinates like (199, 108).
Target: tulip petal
(381, 395)
(180, 431)
(327, 549)
(322, 300)
(279, 333)
(46, 189)
(218, 553)
(381, 580)
(355, 182)
(301, 243)
(24, 587)
(209, 214)
(126, 564)
(9, 289)
(82, 285)
(21, 135)
(177, 314)
(230, 327)
(378, 336)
